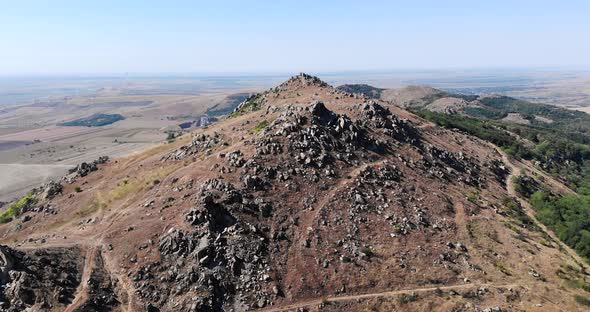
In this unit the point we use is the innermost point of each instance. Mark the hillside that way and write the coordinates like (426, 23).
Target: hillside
(368, 91)
(487, 106)
(546, 137)
(304, 198)
(412, 96)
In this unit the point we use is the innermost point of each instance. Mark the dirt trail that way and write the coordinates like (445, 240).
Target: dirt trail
(309, 218)
(126, 290)
(82, 292)
(515, 171)
(353, 174)
(92, 242)
(392, 293)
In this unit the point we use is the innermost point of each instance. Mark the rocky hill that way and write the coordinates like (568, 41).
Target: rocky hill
(364, 89)
(305, 198)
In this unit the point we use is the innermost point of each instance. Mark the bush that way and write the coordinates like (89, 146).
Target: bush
(484, 112)
(582, 300)
(513, 210)
(473, 197)
(260, 126)
(77, 189)
(17, 207)
(407, 298)
(170, 137)
(525, 185)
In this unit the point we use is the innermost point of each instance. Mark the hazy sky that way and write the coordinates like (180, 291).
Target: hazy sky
(103, 36)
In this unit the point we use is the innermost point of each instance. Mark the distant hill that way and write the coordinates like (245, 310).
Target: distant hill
(412, 96)
(488, 106)
(96, 120)
(367, 90)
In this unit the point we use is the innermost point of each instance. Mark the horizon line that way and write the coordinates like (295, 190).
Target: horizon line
(189, 74)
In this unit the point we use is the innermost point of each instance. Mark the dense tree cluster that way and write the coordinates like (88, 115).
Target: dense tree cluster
(568, 216)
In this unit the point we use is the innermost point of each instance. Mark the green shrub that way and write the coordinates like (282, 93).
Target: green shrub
(568, 216)
(582, 300)
(500, 266)
(77, 189)
(512, 209)
(580, 284)
(473, 197)
(17, 207)
(260, 126)
(485, 112)
(407, 298)
(525, 186)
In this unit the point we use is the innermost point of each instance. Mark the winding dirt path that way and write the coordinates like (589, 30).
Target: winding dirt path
(515, 171)
(385, 294)
(82, 292)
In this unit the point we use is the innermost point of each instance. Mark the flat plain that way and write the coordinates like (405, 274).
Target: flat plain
(34, 148)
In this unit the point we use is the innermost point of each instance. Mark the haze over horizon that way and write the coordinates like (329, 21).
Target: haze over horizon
(69, 37)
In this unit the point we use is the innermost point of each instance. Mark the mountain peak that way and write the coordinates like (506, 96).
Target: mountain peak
(303, 80)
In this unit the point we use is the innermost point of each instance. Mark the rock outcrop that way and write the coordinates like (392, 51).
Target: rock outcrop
(38, 279)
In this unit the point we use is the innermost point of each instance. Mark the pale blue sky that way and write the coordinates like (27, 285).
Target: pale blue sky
(109, 36)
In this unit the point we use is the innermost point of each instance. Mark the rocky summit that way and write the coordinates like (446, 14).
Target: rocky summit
(304, 198)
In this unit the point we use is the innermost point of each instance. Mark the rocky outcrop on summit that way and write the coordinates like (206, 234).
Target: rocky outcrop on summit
(302, 80)
(299, 82)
